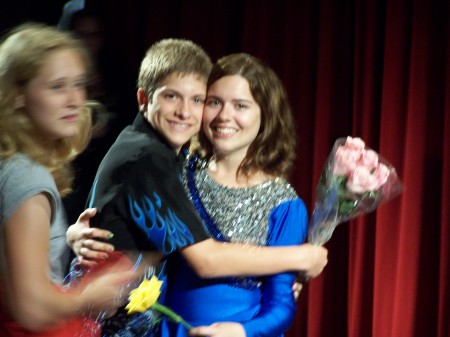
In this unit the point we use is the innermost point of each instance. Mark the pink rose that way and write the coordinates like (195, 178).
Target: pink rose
(381, 175)
(361, 180)
(345, 160)
(355, 143)
(369, 159)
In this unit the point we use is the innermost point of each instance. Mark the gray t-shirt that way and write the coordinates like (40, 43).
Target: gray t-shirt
(20, 180)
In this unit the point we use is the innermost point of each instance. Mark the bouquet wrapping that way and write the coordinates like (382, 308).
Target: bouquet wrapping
(354, 181)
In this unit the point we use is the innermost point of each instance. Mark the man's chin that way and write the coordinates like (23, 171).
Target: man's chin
(178, 142)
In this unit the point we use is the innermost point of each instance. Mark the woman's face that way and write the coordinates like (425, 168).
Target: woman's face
(231, 117)
(54, 98)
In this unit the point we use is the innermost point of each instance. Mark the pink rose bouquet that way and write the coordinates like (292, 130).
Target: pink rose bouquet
(355, 181)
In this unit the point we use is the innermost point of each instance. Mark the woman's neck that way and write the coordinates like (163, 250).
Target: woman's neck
(224, 171)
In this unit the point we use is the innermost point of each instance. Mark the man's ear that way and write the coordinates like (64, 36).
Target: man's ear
(142, 100)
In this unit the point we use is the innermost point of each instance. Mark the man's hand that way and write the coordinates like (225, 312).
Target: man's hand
(81, 238)
(316, 257)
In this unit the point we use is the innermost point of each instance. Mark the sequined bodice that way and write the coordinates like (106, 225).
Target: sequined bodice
(239, 214)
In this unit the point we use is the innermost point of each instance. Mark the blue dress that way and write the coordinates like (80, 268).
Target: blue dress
(268, 214)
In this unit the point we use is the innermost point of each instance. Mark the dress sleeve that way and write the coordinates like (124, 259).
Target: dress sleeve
(287, 226)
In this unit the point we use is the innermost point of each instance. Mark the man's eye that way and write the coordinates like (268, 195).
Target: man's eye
(170, 96)
(199, 100)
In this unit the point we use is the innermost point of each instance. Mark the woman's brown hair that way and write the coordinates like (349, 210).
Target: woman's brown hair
(273, 150)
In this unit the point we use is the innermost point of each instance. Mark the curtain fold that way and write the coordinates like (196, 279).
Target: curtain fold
(444, 223)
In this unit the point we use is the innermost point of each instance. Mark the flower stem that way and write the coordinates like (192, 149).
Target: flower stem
(172, 315)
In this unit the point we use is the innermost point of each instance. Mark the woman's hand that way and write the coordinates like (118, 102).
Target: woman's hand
(296, 289)
(106, 287)
(223, 329)
(81, 238)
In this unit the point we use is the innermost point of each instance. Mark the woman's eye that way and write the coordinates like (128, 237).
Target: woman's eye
(241, 106)
(213, 102)
(80, 84)
(56, 86)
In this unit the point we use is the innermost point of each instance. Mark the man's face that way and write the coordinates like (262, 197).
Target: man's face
(176, 108)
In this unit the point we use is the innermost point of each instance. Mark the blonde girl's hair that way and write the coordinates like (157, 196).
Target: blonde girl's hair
(22, 53)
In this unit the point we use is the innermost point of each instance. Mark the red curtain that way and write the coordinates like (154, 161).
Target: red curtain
(370, 68)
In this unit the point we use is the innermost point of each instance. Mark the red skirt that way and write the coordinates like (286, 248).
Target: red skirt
(76, 327)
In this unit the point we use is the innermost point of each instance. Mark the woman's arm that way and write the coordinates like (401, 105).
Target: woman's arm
(275, 316)
(32, 299)
(277, 310)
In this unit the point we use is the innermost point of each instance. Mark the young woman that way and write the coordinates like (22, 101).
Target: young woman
(238, 185)
(44, 124)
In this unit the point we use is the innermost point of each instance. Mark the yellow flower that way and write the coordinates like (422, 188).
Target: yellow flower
(144, 296)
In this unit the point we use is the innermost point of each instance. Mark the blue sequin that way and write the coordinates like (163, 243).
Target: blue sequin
(250, 283)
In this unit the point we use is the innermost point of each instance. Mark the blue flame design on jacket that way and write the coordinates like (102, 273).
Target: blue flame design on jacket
(162, 226)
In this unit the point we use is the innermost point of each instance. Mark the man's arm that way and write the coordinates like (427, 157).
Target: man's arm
(210, 258)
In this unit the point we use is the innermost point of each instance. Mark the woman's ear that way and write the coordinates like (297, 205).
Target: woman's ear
(142, 100)
(19, 102)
